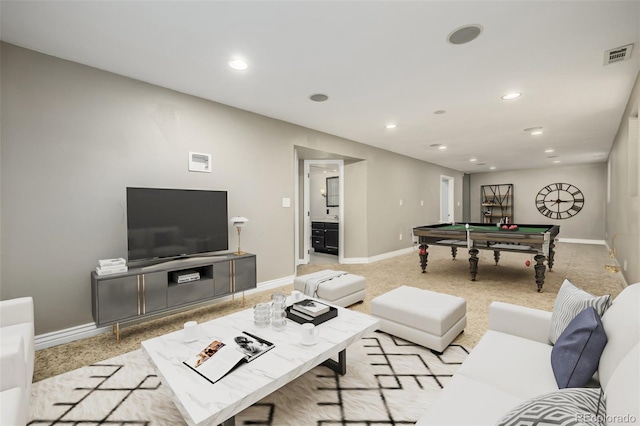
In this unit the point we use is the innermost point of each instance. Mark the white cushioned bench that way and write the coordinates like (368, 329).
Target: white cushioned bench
(336, 287)
(424, 317)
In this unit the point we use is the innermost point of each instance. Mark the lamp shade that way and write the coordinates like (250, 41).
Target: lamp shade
(239, 221)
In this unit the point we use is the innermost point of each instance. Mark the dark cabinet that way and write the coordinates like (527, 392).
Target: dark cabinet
(154, 289)
(325, 237)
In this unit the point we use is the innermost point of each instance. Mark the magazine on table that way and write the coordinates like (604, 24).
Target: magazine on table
(311, 307)
(222, 356)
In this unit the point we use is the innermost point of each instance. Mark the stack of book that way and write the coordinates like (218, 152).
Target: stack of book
(111, 266)
(309, 310)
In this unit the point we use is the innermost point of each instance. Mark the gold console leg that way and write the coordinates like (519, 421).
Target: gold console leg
(117, 332)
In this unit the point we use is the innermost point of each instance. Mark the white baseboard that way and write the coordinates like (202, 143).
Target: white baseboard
(71, 334)
(581, 241)
(378, 257)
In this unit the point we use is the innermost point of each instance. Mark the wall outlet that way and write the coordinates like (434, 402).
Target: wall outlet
(400, 201)
(400, 237)
(422, 202)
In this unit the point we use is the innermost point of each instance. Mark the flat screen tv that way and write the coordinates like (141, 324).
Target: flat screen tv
(172, 223)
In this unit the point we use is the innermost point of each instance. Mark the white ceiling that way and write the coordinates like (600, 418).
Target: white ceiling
(379, 62)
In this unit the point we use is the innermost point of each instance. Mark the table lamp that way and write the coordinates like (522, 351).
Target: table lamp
(239, 222)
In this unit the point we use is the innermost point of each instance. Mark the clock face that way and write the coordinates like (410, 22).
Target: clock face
(559, 201)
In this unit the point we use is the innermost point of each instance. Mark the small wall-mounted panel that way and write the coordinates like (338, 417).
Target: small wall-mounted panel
(199, 162)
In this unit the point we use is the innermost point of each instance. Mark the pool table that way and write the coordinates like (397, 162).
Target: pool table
(535, 239)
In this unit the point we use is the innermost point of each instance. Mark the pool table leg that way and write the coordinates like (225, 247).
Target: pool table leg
(473, 262)
(424, 254)
(454, 252)
(552, 253)
(496, 256)
(540, 268)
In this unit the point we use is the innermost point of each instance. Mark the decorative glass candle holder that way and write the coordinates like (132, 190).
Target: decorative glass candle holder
(278, 314)
(262, 314)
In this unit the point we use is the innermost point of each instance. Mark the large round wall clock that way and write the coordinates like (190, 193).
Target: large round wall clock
(559, 201)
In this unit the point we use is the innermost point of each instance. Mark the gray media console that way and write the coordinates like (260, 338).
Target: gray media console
(155, 289)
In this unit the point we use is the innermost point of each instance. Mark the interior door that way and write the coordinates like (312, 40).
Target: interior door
(446, 199)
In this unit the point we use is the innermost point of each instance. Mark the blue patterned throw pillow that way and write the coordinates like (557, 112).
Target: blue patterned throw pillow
(576, 354)
(566, 407)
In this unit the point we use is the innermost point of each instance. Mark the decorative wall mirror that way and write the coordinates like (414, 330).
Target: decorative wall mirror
(332, 192)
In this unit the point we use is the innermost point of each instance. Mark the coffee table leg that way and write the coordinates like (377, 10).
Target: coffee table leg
(339, 367)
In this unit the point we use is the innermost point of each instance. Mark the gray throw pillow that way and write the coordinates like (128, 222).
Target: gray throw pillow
(570, 302)
(576, 354)
(566, 407)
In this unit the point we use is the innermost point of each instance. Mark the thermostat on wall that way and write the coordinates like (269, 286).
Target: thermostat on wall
(199, 162)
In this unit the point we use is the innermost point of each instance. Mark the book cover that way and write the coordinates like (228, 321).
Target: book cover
(220, 357)
(112, 262)
(311, 307)
(106, 270)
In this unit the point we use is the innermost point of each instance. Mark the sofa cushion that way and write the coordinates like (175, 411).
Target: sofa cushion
(576, 354)
(570, 302)
(13, 407)
(569, 407)
(622, 324)
(23, 331)
(465, 401)
(623, 390)
(515, 365)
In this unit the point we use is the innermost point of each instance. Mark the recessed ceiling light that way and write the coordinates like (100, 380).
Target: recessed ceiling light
(510, 96)
(391, 126)
(238, 64)
(549, 150)
(473, 159)
(534, 130)
(492, 168)
(439, 111)
(442, 147)
(464, 34)
(557, 161)
(318, 97)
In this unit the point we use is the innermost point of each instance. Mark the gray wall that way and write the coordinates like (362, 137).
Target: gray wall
(74, 137)
(623, 205)
(590, 179)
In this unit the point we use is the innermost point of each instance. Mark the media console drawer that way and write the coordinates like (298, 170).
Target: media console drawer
(179, 294)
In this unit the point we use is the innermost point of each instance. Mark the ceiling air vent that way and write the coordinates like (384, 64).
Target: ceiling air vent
(618, 54)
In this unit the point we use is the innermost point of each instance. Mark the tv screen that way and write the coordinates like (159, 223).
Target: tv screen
(169, 223)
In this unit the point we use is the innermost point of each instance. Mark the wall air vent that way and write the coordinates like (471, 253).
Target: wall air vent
(618, 54)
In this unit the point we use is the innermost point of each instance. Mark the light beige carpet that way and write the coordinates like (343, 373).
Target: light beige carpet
(511, 281)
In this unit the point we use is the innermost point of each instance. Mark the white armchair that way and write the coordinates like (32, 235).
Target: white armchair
(17, 353)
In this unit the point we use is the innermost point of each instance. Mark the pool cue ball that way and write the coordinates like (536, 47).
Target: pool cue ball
(527, 262)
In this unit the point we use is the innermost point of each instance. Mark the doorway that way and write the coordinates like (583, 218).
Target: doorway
(323, 211)
(446, 199)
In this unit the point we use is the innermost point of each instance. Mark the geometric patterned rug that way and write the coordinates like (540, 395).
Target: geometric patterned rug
(389, 381)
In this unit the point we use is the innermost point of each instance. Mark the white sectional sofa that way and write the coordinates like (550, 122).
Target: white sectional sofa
(511, 365)
(17, 354)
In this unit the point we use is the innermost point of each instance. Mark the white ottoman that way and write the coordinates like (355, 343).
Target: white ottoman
(421, 316)
(336, 287)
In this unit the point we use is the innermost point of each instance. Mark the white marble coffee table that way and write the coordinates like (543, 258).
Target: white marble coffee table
(202, 403)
